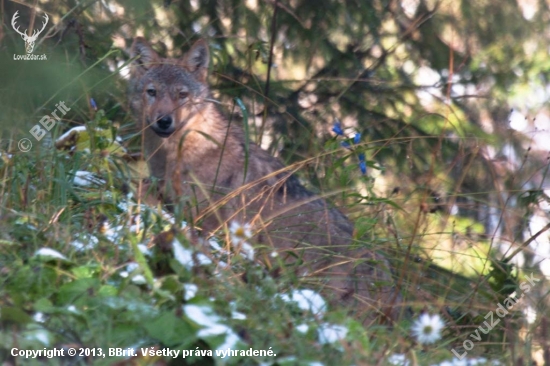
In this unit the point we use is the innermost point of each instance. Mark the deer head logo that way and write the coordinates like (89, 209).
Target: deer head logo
(29, 41)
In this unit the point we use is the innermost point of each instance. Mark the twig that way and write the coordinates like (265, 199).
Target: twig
(273, 35)
(269, 62)
(526, 243)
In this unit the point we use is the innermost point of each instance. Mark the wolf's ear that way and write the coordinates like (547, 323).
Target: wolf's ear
(196, 60)
(146, 56)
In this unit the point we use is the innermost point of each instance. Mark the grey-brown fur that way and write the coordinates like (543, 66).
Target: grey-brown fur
(172, 105)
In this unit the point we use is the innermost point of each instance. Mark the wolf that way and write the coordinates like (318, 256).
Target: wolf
(198, 156)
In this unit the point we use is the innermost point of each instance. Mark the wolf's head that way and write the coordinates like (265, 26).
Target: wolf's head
(166, 93)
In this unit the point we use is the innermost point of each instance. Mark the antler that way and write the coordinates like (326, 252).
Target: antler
(13, 19)
(35, 33)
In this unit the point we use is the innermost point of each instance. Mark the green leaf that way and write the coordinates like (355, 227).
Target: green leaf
(170, 330)
(363, 225)
(16, 315)
(77, 289)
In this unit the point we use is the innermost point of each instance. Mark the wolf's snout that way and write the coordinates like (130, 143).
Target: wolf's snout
(164, 126)
(164, 123)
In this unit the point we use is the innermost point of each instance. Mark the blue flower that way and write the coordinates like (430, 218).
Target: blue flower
(357, 138)
(337, 129)
(345, 144)
(363, 167)
(362, 163)
(93, 104)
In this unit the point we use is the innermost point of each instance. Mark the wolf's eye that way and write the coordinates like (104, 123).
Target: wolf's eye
(183, 95)
(152, 92)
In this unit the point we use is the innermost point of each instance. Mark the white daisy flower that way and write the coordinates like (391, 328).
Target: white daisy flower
(398, 359)
(427, 328)
(239, 232)
(239, 235)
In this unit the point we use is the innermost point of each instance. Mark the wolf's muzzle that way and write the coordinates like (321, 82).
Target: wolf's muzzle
(164, 126)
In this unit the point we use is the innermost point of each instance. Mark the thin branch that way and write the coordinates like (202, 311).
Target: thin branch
(526, 243)
(273, 36)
